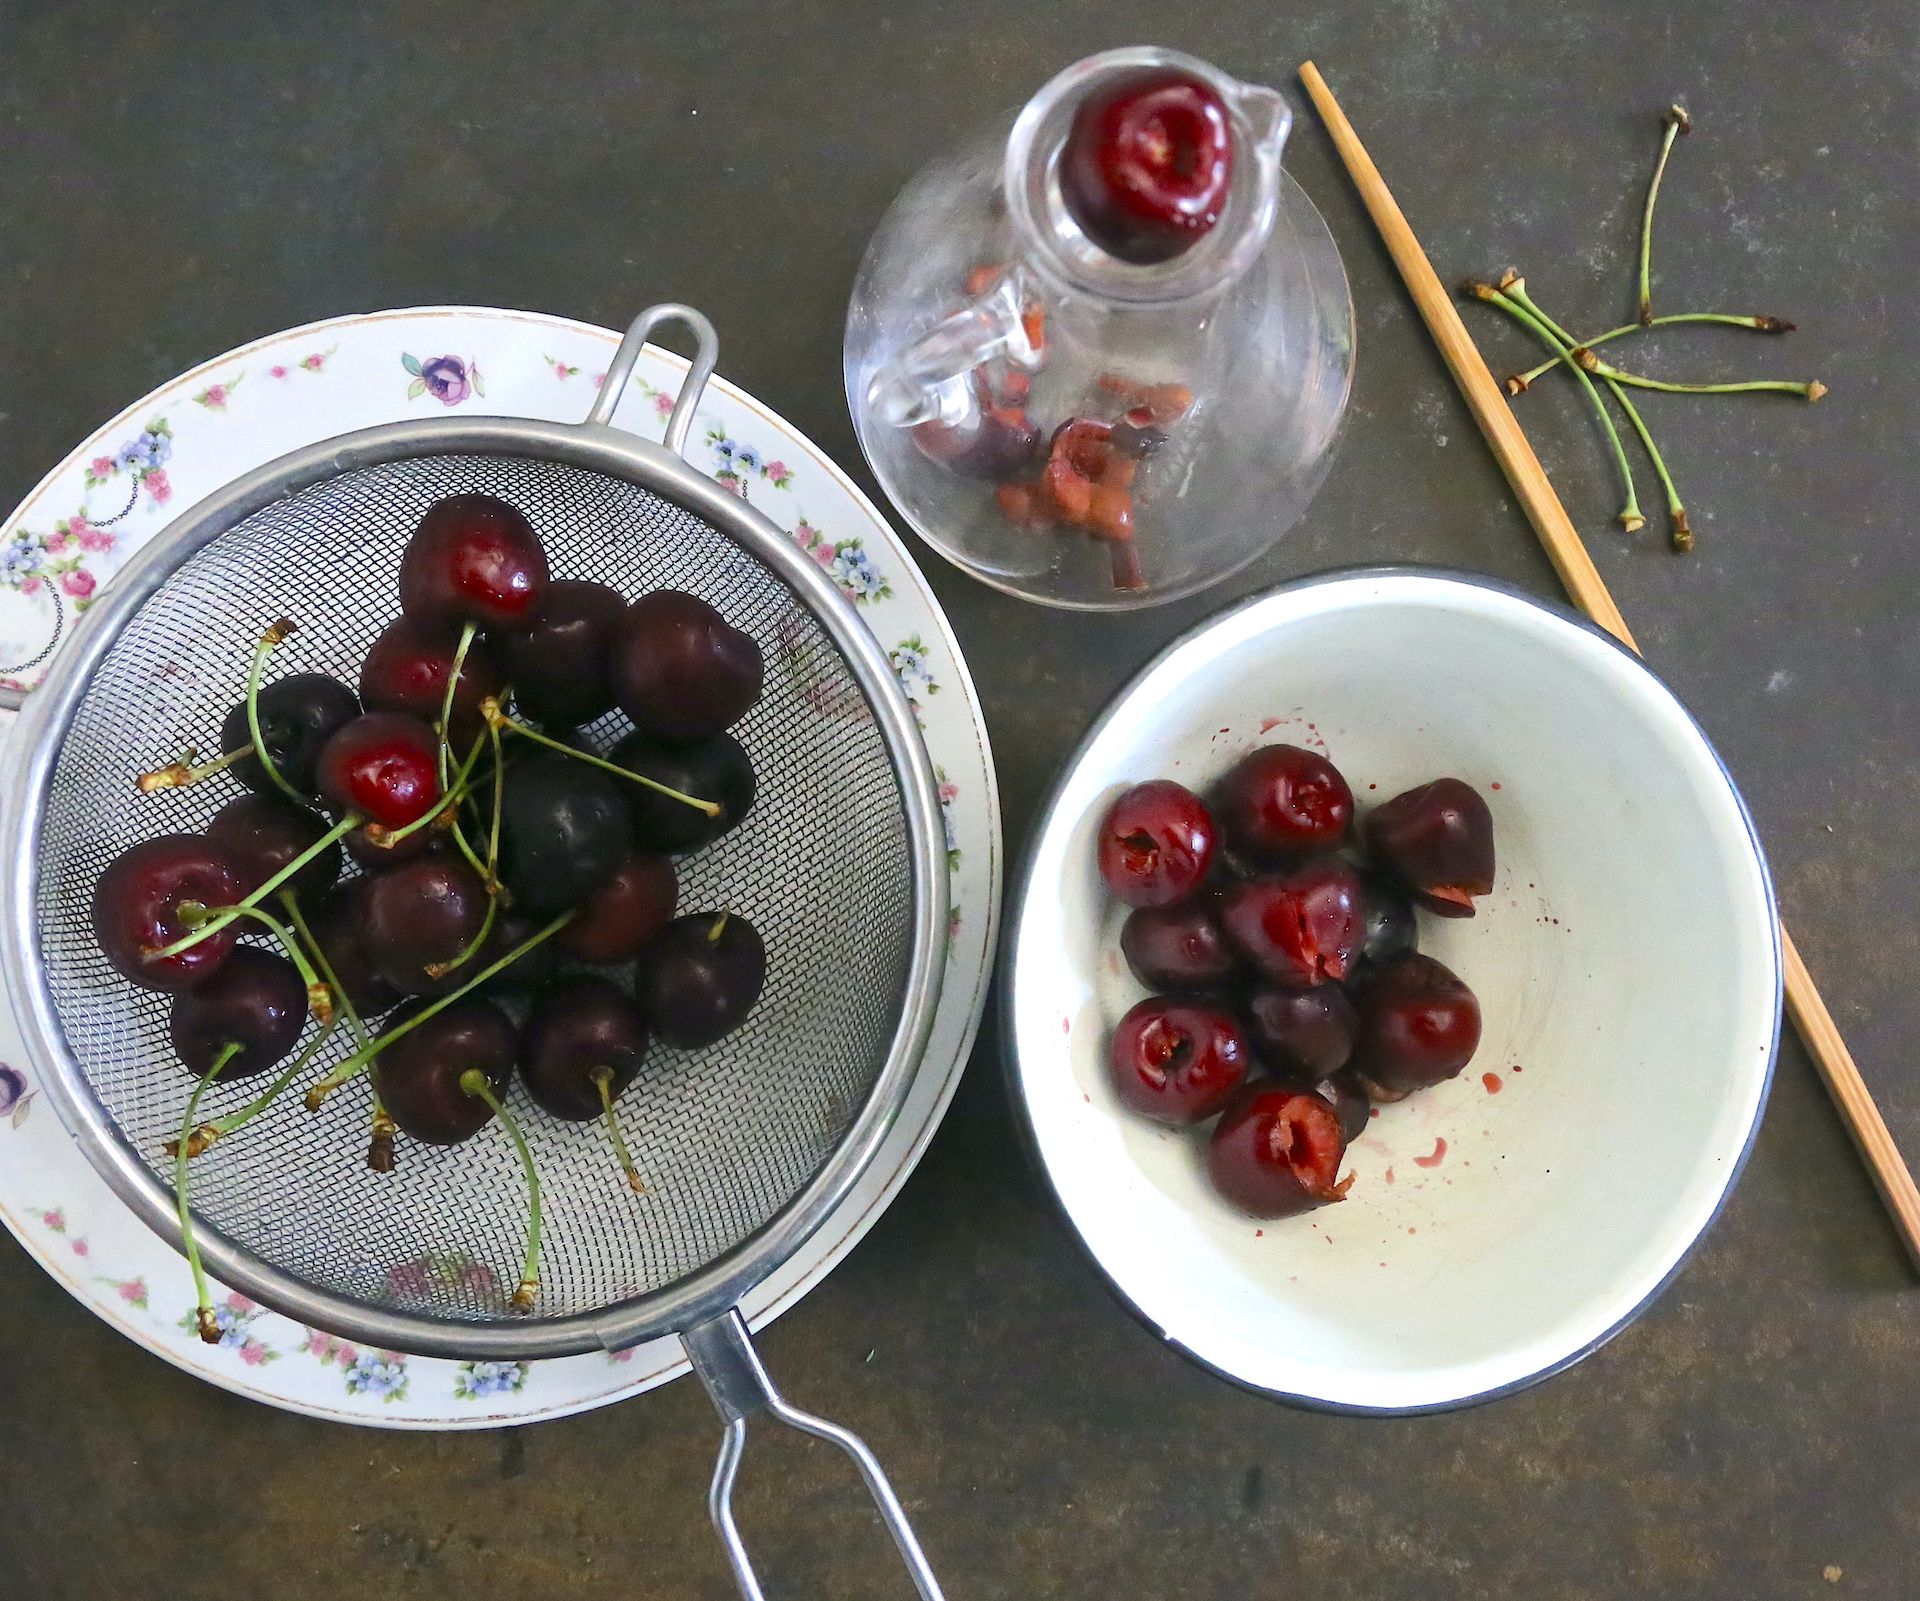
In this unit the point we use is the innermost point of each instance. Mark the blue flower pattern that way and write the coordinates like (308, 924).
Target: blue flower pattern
(375, 1374)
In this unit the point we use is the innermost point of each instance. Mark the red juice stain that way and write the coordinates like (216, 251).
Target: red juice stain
(1269, 724)
(1373, 786)
(1086, 1097)
(1372, 1113)
(1492, 1083)
(1494, 785)
(1066, 1025)
(1411, 1229)
(1224, 730)
(1434, 1157)
(1517, 1068)
(1389, 1175)
(1259, 1234)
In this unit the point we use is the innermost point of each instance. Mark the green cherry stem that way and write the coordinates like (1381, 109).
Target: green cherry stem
(205, 1134)
(319, 996)
(603, 1081)
(473, 946)
(446, 700)
(274, 634)
(1518, 383)
(490, 709)
(203, 1316)
(1812, 390)
(380, 1135)
(178, 775)
(290, 903)
(1676, 122)
(474, 1082)
(219, 917)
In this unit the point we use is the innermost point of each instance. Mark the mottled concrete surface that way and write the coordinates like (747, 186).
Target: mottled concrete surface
(174, 182)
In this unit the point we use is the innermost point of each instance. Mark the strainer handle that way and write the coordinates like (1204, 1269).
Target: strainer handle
(706, 353)
(738, 1384)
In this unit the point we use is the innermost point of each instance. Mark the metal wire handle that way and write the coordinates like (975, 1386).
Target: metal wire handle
(706, 353)
(739, 1386)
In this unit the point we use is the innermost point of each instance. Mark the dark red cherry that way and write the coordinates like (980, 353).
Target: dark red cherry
(420, 914)
(298, 715)
(418, 1076)
(578, 1027)
(1344, 1093)
(1178, 947)
(263, 833)
(1298, 928)
(1419, 1025)
(680, 670)
(1281, 803)
(382, 766)
(406, 670)
(141, 902)
(377, 858)
(994, 442)
(1276, 1152)
(336, 923)
(1391, 929)
(473, 559)
(257, 1001)
(1177, 1059)
(700, 978)
(1438, 841)
(624, 914)
(564, 828)
(527, 971)
(559, 668)
(1148, 164)
(716, 769)
(1301, 1035)
(1155, 844)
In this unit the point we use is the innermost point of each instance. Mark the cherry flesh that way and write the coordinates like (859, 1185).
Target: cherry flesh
(700, 978)
(559, 667)
(564, 828)
(624, 914)
(1147, 165)
(578, 1026)
(257, 1001)
(716, 769)
(1177, 1059)
(406, 670)
(421, 913)
(336, 925)
(473, 559)
(680, 670)
(1156, 844)
(1302, 1035)
(262, 833)
(418, 1075)
(1438, 841)
(1277, 1151)
(141, 905)
(1344, 1093)
(1178, 947)
(1281, 803)
(1419, 1025)
(1299, 928)
(298, 715)
(382, 766)
(1391, 929)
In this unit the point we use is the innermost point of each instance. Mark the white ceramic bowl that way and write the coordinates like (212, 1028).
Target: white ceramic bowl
(1627, 963)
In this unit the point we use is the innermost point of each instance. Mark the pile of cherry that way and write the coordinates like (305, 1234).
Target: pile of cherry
(1289, 993)
(501, 857)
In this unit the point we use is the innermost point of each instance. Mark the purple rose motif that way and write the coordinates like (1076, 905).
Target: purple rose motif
(446, 379)
(13, 1087)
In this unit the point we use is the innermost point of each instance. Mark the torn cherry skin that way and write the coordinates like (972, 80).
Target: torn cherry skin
(1300, 928)
(1281, 803)
(1437, 840)
(1177, 1059)
(1277, 1151)
(1156, 843)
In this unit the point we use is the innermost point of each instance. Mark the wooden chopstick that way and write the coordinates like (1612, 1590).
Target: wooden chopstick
(1588, 591)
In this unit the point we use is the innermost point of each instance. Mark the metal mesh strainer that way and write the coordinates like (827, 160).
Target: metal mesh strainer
(745, 1147)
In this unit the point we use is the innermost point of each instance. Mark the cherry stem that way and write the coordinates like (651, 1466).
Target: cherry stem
(471, 949)
(445, 756)
(220, 917)
(273, 635)
(384, 838)
(475, 1083)
(719, 927)
(499, 802)
(291, 903)
(356, 1064)
(319, 996)
(203, 1316)
(1677, 122)
(603, 1081)
(490, 709)
(178, 775)
(204, 1135)
(1521, 381)
(380, 1138)
(1587, 361)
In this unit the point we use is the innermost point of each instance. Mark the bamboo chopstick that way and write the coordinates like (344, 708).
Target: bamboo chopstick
(1588, 591)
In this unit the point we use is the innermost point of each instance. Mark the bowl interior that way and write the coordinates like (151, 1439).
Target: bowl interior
(1626, 963)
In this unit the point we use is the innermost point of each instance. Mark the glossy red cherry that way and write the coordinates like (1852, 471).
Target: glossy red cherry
(624, 914)
(142, 901)
(473, 559)
(1299, 928)
(336, 924)
(1177, 1059)
(1391, 929)
(382, 766)
(298, 715)
(1178, 947)
(257, 1001)
(263, 833)
(420, 914)
(560, 667)
(716, 769)
(1155, 844)
(1302, 1035)
(406, 670)
(418, 1075)
(578, 1027)
(1419, 1025)
(681, 670)
(1148, 164)
(1438, 841)
(700, 978)
(1281, 803)
(1276, 1152)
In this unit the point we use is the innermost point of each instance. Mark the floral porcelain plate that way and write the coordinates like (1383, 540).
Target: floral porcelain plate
(228, 416)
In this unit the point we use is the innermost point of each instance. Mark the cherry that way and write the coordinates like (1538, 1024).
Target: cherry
(1344, 1093)
(257, 1001)
(1283, 802)
(559, 667)
(473, 559)
(995, 442)
(680, 670)
(336, 925)
(1177, 1059)
(421, 914)
(142, 903)
(1276, 1152)
(533, 968)
(382, 766)
(624, 914)
(1178, 947)
(1419, 1025)
(564, 827)
(1301, 1035)
(298, 715)
(406, 670)
(1298, 928)
(418, 1075)
(1438, 841)
(263, 833)
(1156, 844)
(700, 978)
(1391, 930)
(1146, 165)
(579, 1026)
(716, 769)
(377, 858)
